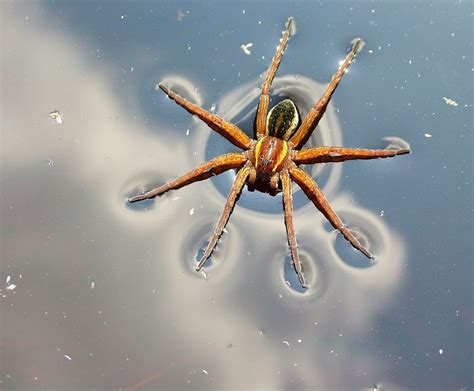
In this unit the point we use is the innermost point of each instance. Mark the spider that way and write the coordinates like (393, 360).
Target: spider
(270, 161)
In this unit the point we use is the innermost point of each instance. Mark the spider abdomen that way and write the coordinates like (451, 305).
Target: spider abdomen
(270, 154)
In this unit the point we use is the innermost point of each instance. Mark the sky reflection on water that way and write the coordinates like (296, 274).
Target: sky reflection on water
(106, 296)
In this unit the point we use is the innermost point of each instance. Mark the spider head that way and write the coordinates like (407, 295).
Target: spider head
(282, 120)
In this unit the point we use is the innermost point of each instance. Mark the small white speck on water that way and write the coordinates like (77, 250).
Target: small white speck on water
(68, 357)
(427, 135)
(213, 108)
(450, 101)
(191, 211)
(286, 343)
(225, 231)
(8, 279)
(187, 132)
(56, 116)
(246, 48)
(382, 212)
(92, 284)
(299, 340)
(11, 287)
(205, 372)
(440, 351)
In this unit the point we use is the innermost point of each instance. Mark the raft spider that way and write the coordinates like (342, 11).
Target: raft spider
(270, 161)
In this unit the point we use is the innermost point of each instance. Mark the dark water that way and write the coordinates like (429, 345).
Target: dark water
(100, 295)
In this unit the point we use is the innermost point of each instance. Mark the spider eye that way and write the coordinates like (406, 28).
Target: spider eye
(282, 119)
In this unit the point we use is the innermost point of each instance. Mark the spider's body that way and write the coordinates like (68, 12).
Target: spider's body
(268, 157)
(270, 161)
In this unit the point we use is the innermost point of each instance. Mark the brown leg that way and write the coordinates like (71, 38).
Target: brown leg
(224, 128)
(206, 170)
(290, 229)
(239, 183)
(339, 154)
(261, 120)
(315, 114)
(314, 193)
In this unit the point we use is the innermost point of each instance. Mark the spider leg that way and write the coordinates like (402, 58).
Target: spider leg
(205, 170)
(261, 119)
(314, 193)
(224, 128)
(339, 154)
(234, 194)
(290, 229)
(315, 114)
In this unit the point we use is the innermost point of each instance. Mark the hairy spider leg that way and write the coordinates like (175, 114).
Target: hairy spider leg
(261, 118)
(234, 194)
(314, 193)
(340, 154)
(290, 229)
(313, 117)
(231, 132)
(212, 167)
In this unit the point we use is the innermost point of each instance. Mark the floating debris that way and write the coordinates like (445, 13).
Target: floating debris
(68, 357)
(191, 211)
(92, 284)
(56, 116)
(427, 135)
(450, 102)
(11, 287)
(440, 351)
(205, 372)
(286, 343)
(246, 48)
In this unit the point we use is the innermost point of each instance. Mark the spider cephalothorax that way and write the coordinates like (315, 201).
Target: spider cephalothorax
(270, 161)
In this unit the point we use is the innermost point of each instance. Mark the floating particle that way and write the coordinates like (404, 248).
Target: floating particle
(450, 102)
(427, 135)
(92, 284)
(8, 279)
(56, 116)
(50, 162)
(204, 274)
(68, 357)
(11, 287)
(225, 231)
(213, 108)
(191, 211)
(187, 132)
(286, 343)
(246, 48)
(382, 212)
(440, 351)
(205, 372)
